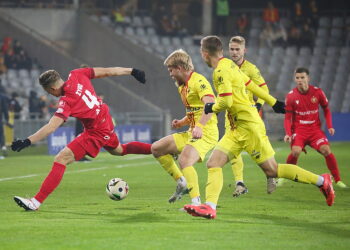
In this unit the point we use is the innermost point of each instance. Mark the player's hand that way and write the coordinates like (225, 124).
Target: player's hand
(139, 75)
(331, 131)
(258, 106)
(287, 138)
(18, 145)
(197, 132)
(279, 107)
(208, 107)
(175, 124)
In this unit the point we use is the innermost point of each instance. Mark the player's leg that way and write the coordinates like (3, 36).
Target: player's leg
(332, 164)
(237, 169)
(53, 179)
(298, 174)
(294, 155)
(134, 147)
(188, 157)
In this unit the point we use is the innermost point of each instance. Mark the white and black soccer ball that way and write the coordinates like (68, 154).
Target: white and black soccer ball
(117, 189)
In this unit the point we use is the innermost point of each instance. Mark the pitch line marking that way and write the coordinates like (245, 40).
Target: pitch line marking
(77, 171)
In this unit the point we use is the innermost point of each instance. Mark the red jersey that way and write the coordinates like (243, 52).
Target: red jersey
(80, 100)
(302, 110)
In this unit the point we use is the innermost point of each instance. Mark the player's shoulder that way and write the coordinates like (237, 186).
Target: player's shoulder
(292, 93)
(198, 78)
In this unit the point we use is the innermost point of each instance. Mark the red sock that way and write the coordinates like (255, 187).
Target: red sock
(333, 166)
(291, 159)
(51, 181)
(136, 147)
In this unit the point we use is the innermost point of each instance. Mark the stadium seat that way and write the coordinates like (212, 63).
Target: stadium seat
(324, 22)
(136, 22)
(165, 41)
(129, 31)
(338, 22)
(151, 31)
(187, 41)
(140, 31)
(147, 21)
(176, 42)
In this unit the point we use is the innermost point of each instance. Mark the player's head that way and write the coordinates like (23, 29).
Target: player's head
(211, 47)
(179, 64)
(51, 82)
(237, 49)
(302, 79)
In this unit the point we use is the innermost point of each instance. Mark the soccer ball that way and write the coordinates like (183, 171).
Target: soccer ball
(117, 189)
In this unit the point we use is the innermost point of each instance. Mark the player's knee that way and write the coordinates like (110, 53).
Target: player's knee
(296, 153)
(325, 151)
(156, 149)
(211, 164)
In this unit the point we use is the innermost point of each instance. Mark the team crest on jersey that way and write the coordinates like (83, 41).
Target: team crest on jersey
(203, 86)
(313, 99)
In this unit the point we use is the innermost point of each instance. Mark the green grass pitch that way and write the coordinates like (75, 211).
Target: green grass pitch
(79, 215)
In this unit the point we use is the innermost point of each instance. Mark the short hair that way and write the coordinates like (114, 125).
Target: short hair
(302, 70)
(212, 44)
(238, 39)
(49, 78)
(179, 58)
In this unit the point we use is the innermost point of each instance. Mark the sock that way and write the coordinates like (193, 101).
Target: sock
(237, 168)
(212, 205)
(136, 147)
(168, 163)
(36, 202)
(291, 159)
(192, 181)
(295, 173)
(51, 182)
(320, 181)
(196, 201)
(214, 185)
(333, 166)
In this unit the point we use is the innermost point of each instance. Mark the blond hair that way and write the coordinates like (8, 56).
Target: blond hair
(238, 39)
(179, 58)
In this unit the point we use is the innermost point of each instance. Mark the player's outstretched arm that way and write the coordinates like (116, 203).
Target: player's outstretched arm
(120, 71)
(277, 105)
(42, 133)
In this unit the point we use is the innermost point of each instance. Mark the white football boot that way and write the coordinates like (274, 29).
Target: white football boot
(27, 204)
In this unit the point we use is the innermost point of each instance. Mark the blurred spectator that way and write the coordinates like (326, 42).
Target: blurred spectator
(307, 37)
(119, 17)
(279, 36)
(165, 27)
(266, 36)
(53, 105)
(34, 105)
(294, 36)
(14, 106)
(195, 10)
(10, 59)
(242, 23)
(4, 117)
(298, 14)
(3, 68)
(271, 14)
(43, 107)
(17, 47)
(176, 26)
(312, 13)
(222, 12)
(23, 61)
(7, 44)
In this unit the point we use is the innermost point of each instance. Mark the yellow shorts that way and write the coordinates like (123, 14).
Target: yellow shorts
(203, 146)
(250, 137)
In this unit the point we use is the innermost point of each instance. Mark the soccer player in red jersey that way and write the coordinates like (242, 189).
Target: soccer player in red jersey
(78, 99)
(302, 122)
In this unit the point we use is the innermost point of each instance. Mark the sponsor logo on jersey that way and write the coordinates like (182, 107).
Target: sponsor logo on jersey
(59, 110)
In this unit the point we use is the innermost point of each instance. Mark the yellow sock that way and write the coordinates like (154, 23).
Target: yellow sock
(214, 185)
(192, 181)
(295, 173)
(237, 168)
(168, 163)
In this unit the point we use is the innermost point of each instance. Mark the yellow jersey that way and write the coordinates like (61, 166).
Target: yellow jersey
(192, 92)
(254, 74)
(228, 80)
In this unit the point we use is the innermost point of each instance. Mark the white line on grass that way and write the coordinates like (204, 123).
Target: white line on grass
(79, 171)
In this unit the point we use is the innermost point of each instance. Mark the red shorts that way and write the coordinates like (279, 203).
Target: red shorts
(90, 144)
(315, 138)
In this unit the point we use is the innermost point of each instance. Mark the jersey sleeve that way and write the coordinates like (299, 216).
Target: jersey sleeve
(64, 107)
(223, 83)
(204, 88)
(88, 72)
(323, 99)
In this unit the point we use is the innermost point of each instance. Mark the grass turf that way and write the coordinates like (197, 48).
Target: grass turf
(79, 214)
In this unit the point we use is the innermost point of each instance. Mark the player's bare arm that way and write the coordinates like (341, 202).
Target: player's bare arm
(176, 124)
(198, 129)
(120, 71)
(54, 123)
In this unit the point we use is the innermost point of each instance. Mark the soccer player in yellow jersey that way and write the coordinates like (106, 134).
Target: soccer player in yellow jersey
(195, 91)
(248, 134)
(237, 51)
